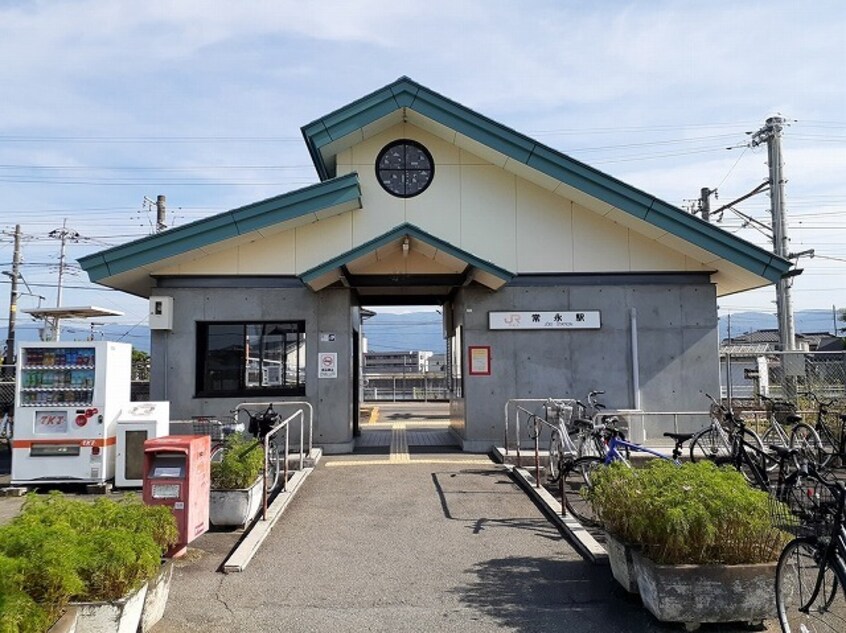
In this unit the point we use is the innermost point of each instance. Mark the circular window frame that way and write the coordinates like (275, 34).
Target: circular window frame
(405, 142)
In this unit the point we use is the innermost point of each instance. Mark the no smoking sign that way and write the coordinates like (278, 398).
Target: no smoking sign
(327, 363)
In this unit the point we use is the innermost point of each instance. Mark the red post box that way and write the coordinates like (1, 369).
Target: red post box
(177, 473)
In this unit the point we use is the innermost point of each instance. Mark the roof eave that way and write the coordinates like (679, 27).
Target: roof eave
(406, 93)
(340, 191)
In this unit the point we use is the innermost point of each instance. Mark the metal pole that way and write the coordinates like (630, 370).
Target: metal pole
(537, 453)
(161, 214)
(772, 133)
(13, 299)
(705, 203)
(635, 364)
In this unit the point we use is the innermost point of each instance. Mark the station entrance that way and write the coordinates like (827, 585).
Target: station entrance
(403, 383)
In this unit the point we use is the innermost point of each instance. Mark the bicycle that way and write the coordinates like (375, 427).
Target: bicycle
(566, 441)
(811, 571)
(578, 474)
(775, 435)
(819, 442)
(756, 464)
(261, 423)
(218, 431)
(714, 442)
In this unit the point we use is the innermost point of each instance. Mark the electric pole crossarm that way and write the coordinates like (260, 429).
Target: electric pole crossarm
(764, 186)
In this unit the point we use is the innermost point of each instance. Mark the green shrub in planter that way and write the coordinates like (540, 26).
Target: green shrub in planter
(689, 514)
(19, 613)
(47, 562)
(59, 549)
(241, 465)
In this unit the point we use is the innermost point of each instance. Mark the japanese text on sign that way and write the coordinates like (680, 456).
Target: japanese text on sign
(327, 364)
(537, 320)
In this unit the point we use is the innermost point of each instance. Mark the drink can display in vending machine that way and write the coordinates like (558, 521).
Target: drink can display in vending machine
(68, 398)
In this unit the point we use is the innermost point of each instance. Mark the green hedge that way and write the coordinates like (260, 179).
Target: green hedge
(60, 550)
(694, 513)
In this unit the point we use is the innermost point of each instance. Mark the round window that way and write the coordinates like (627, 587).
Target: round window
(405, 168)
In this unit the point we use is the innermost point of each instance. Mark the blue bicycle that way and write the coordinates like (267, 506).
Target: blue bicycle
(577, 476)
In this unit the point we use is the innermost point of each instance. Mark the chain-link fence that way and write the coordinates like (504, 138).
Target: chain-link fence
(783, 375)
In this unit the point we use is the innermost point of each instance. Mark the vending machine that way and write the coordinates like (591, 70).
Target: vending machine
(68, 397)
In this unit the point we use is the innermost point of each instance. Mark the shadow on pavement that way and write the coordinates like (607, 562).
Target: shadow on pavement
(539, 595)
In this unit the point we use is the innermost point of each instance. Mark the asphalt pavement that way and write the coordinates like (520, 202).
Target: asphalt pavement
(442, 542)
(410, 536)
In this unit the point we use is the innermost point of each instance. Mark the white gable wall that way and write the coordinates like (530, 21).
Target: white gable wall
(473, 204)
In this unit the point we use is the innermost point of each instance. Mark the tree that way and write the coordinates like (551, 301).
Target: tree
(140, 365)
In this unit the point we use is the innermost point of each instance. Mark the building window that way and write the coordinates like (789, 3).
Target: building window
(251, 359)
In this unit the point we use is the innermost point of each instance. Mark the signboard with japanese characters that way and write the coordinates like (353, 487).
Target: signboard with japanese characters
(544, 320)
(480, 360)
(327, 364)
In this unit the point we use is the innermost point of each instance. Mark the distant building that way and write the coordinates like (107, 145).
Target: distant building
(763, 341)
(411, 362)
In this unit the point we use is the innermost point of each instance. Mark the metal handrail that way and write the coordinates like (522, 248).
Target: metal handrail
(275, 405)
(278, 427)
(303, 403)
(283, 424)
(567, 401)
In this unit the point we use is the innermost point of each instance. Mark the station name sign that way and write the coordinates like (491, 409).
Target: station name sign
(561, 320)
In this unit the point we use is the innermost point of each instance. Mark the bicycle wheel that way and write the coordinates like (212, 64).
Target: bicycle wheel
(796, 577)
(217, 452)
(774, 437)
(709, 444)
(830, 446)
(804, 438)
(576, 477)
(556, 455)
(273, 467)
(587, 445)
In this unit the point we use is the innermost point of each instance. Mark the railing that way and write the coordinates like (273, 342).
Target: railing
(513, 403)
(284, 424)
(644, 426)
(302, 403)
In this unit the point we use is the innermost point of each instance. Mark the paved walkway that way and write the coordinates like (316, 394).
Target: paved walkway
(404, 542)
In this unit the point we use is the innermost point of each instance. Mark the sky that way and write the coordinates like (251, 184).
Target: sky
(106, 104)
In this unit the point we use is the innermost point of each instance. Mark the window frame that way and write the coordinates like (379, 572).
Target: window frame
(202, 356)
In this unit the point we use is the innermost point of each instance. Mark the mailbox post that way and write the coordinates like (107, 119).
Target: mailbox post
(177, 474)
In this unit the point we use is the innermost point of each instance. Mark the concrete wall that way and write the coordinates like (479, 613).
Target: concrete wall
(676, 337)
(173, 353)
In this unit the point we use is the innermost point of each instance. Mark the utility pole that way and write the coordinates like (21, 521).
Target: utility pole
(161, 211)
(771, 134)
(705, 202)
(13, 299)
(63, 234)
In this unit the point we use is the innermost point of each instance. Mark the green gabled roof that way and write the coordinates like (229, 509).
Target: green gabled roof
(410, 230)
(405, 93)
(226, 225)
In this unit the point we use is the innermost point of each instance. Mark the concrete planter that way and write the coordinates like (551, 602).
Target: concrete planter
(622, 565)
(235, 508)
(694, 594)
(66, 623)
(158, 590)
(120, 616)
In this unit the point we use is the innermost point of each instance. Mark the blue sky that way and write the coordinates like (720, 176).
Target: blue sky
(104, 103)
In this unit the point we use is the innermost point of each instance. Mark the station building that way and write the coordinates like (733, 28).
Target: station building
(554, 278)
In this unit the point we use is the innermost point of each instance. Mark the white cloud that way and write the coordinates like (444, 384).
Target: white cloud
(623, 72)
